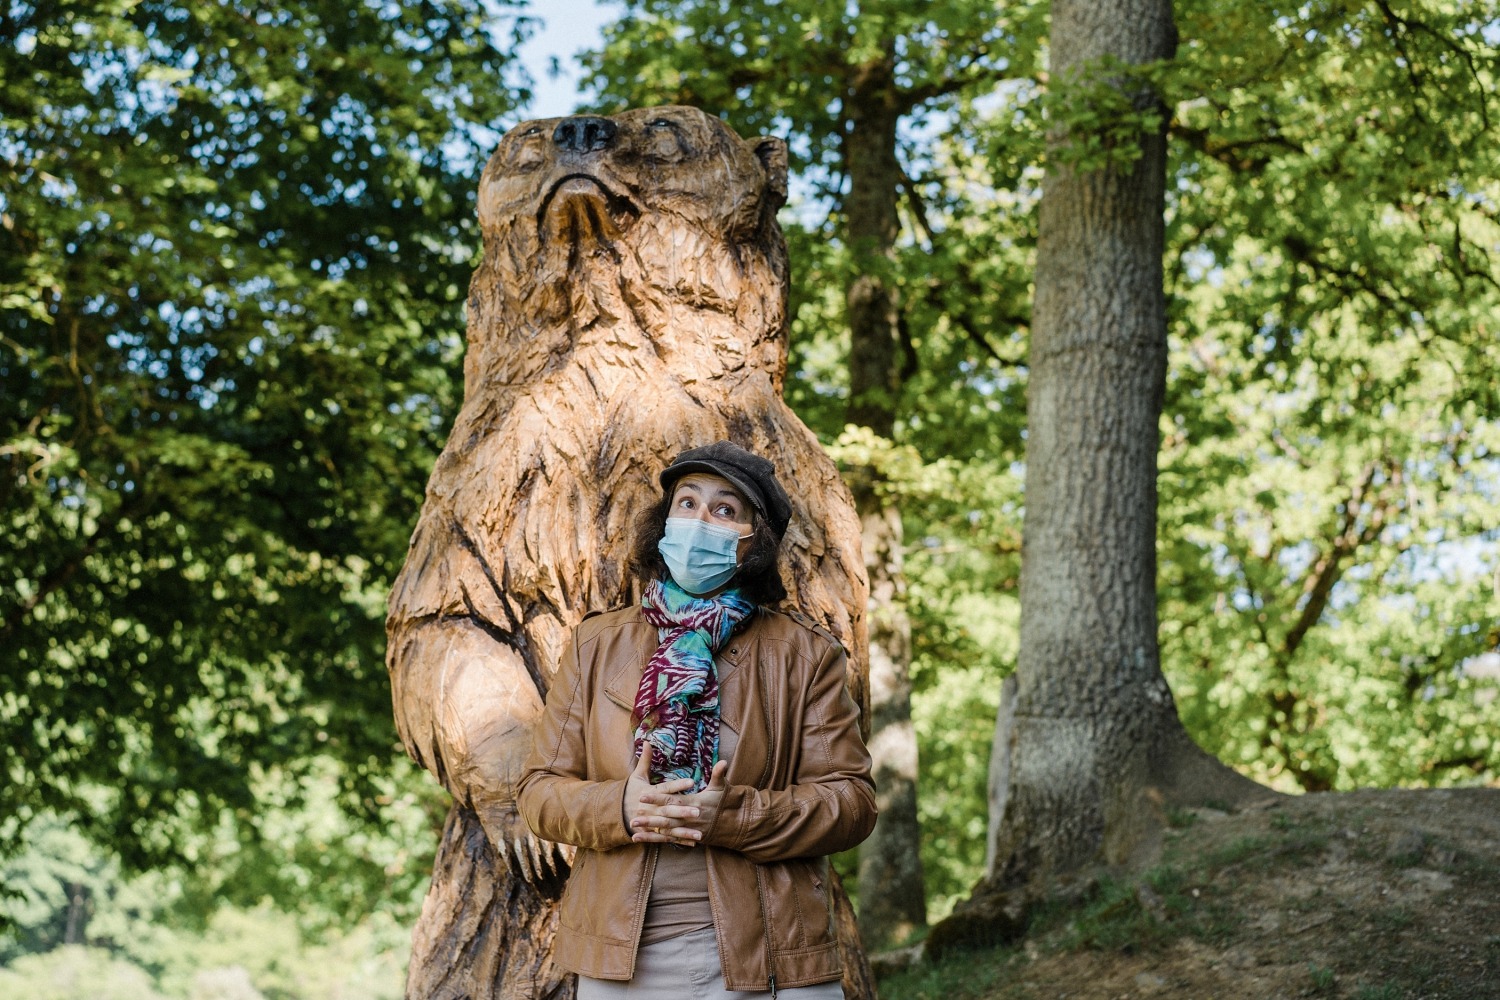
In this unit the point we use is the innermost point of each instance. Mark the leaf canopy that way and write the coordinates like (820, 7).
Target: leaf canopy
(234, 243)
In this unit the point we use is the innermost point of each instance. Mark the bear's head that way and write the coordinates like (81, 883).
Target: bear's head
(645, 212)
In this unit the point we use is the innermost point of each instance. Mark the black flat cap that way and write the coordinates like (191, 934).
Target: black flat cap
(751, 475)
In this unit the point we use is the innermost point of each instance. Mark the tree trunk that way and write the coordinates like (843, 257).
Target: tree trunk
(892, 899)
(1090, 697)
(874, 110)
(78, 914)
(631, 303)
(1088, 744)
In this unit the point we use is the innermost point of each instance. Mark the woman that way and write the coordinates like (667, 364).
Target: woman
(702, 754)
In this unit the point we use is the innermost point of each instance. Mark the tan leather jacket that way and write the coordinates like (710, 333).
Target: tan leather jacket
(799, 789)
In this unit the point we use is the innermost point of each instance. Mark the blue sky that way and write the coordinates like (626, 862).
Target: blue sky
(568, 27)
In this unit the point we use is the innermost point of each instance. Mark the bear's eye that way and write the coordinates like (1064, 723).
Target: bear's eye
(663, 141)
(521, 135)
(525, 155)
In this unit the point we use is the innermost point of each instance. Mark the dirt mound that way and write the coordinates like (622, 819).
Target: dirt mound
(1374, 895)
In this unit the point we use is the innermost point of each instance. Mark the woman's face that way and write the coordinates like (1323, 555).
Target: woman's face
(714, 499)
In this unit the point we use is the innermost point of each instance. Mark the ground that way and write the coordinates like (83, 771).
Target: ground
(1371, 895)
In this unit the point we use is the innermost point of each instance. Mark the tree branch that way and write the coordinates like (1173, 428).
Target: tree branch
(1406, 25)
(960, 318)
(965, 78)
(1201, 139)
(65, 571)
(1326, 572)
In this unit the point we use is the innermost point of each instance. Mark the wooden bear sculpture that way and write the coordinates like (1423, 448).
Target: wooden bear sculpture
(631, 303)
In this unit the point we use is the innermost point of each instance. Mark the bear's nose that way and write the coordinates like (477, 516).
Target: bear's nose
(583, 134)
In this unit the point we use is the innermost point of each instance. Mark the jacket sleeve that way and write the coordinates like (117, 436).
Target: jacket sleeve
(830, 804)
(554, 794)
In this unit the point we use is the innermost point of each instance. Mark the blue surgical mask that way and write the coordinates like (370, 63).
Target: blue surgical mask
(700, 555)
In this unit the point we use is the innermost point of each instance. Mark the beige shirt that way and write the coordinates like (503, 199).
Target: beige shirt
(678, 903)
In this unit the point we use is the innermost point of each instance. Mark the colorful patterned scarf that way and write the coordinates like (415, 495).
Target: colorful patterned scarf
(677, 704)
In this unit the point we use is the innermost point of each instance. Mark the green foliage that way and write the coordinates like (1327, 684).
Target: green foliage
(962, 575)
(1329, 472)
(76, 972)
(1101, 112)
(234, 246)
(263, 948)
(242, 955)
(960, 570)
(316, 860)
(61, 886)
(779, 66)
(330, 920)
(321, 867)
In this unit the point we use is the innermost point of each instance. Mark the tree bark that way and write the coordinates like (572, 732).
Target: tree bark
(464, 943)
(1090, 696)
(874, 110)
(892, 898)
(1089, 747)
(631, 303)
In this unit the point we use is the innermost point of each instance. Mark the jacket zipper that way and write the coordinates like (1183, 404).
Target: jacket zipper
(760, 887)
(765, 929)
(642, 892)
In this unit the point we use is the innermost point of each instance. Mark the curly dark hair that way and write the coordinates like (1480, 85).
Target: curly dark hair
(759, 577)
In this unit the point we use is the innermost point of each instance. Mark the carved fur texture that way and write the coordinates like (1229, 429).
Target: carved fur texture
(631, 303)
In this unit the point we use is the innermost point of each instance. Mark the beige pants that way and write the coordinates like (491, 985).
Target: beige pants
(686, 967)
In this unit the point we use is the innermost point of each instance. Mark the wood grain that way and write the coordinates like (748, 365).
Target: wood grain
(631, 303)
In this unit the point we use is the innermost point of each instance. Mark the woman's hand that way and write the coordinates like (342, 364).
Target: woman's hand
(668, 813)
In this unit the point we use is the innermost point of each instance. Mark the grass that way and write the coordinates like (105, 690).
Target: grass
(1181, 819)
(971, 975)
(1137, 914)
(1384, 991)
(1131, 914)
(1240, 850)
(1391, 920)
(1265, 851)
(1322, 978)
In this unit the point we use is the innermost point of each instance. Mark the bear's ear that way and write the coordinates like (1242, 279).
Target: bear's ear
(771, 152)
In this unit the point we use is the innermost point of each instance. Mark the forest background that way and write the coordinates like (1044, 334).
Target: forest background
(234, 248)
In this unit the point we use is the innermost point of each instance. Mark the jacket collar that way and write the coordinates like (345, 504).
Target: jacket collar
(623, 674)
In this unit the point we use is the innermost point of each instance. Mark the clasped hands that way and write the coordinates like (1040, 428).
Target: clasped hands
(669, 813)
